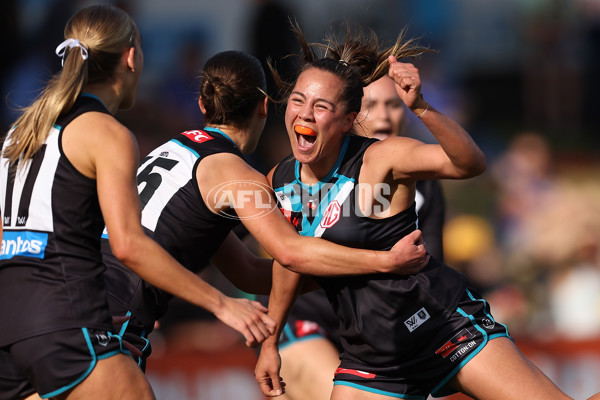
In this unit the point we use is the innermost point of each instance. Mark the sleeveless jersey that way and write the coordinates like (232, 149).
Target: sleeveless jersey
(174, 215)
(50, 265)
(314, 306)
(379, 314)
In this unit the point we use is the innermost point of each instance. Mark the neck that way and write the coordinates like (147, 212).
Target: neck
(318, 169)
(239, 136)
(107, 94)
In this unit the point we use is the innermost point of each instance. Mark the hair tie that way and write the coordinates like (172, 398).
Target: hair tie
(344, 63)
(61, 49)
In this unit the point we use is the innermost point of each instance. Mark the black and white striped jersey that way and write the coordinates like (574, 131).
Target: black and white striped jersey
(175, 215)
(50, 264)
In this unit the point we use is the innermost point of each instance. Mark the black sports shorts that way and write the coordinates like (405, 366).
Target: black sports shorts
(298, 330)
(457, 341)
(53, 363)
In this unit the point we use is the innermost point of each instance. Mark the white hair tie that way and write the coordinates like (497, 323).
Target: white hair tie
(61, 49)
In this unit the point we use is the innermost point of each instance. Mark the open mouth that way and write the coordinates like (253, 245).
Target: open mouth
(383, 131)
(381, 134)
(306, 137)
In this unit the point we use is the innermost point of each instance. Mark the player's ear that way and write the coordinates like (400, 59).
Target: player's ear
(264, 108)
(201, 104)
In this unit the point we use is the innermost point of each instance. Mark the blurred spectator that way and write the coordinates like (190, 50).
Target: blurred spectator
(565, 244)
(525, 182)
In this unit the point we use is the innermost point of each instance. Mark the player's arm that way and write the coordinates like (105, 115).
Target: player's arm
(257, 209)
(243, 268)
(119, 201)
(247, 271)
(456, 156)
(286, 286)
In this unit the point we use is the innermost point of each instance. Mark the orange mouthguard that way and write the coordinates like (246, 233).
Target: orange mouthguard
(304, 130)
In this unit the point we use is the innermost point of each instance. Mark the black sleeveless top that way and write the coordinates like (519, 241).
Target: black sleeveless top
(51, 265)
(174, 215)
(376, 312)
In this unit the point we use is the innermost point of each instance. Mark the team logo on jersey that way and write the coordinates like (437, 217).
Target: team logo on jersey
(417, 319)
(331, 215)
(23, 243)
(197, 136)
(458, 346)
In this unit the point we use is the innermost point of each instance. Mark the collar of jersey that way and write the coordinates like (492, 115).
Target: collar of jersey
(331, 173)
(92, 96)
(220, 132)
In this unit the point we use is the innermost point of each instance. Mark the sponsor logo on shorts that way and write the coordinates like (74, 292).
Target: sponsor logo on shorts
(417, 319)
(355, 372)
(458, 346)
(462, 351)
(102, 339)
(23, 243)
(197, 136)
(305, 328)
(488, 323)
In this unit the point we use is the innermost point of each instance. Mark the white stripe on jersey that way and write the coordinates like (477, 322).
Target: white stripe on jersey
(171, 181)
(40, 208)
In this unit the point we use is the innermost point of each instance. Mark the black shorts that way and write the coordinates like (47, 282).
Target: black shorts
(464, 334)
(298, 330)
(132, 332)
(53, 363)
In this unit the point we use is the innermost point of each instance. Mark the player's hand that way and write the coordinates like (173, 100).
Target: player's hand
(267, 372)
(248, 318)
(408, 82)
(410, 254)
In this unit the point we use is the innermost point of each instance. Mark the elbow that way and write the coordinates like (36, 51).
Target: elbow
(287, 261)
(123, 249)
(287, 258)
(479, 168)
(475, 168)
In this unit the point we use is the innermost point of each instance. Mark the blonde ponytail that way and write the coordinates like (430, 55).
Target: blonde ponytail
(104, 32)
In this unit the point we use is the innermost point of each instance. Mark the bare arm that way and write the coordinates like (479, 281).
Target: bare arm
(456, 156)
(286, 286)
(244, 269)
(257, 209)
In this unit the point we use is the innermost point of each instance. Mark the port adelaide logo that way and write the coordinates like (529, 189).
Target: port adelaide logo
(417, 319)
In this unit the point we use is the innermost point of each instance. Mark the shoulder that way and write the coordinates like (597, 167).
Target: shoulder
(391, 153)
(98, 126)
(223, 167)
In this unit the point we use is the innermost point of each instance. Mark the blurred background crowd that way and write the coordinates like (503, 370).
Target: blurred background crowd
(522, 76)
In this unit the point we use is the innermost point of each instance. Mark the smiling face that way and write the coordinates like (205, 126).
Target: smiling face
(316, 108)
(382, 112)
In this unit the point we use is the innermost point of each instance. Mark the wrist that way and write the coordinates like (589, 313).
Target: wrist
(420, 108)
(217, 305)
(271, 343)
(390, 263)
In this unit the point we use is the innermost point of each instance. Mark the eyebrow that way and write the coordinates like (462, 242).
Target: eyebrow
(319, 99)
